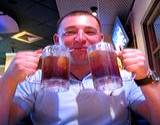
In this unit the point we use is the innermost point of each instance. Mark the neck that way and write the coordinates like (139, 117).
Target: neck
(80, 71)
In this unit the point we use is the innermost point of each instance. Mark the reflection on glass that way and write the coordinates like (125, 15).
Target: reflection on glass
(157, 29)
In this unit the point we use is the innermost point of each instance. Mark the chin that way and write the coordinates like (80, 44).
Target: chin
(80, 61)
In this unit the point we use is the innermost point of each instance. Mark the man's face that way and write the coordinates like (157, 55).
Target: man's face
(77, 33)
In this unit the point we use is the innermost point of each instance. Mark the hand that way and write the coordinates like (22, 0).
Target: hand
(24, 63)
(134, 61)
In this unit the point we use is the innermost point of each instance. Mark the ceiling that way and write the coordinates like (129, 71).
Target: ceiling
(39, 17)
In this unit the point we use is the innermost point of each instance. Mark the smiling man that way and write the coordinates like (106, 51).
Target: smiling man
(77, 30)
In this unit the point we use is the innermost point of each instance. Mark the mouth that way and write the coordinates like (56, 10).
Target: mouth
(79, 54)
(78, 49)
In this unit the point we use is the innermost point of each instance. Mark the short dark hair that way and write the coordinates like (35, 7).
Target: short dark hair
(75, 13)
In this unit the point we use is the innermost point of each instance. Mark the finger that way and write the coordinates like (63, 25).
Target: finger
(128, 50)
(133, 52)
(27, 68)
(25, 53)
(31, 59)
(133, 60)
(38, 52)
(138, 69)
(119, 54)
(134, 66)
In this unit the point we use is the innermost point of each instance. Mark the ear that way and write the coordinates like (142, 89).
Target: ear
(56, 38)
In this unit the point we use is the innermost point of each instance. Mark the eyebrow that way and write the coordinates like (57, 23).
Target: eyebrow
(86, 27)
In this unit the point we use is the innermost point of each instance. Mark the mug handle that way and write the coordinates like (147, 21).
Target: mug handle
(130, 76)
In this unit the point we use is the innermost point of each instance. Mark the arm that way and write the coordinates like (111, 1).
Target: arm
(6, 94)
(9, 112)
(151, 107)
(24, 63)
(134, 61)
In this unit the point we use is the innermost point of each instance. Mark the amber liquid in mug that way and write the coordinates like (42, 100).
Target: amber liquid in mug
(54, 67)
(104, 68)
(103, 63)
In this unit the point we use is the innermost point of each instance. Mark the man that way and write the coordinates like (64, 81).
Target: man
(77, 31)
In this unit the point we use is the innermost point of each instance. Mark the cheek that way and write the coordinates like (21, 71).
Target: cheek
(93, 40)
(89, 40)
(68, 42)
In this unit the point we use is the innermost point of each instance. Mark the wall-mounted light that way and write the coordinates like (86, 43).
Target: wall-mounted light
(27, 37)
(94, 10)
(7, 24)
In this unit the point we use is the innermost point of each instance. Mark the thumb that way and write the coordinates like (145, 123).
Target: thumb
(38, 52)
(119, 53)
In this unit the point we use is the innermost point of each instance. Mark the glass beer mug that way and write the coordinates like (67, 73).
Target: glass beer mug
(104, 67)
(55, 67)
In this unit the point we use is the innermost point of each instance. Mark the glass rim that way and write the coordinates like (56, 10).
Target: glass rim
(55, 50)
(101, 46)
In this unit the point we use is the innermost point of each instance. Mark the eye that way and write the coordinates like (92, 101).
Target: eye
(91, 32)
(70, 32)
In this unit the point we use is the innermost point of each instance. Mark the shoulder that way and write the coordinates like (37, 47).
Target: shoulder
(30, 84)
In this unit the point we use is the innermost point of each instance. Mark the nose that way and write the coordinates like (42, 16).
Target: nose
(80, 37)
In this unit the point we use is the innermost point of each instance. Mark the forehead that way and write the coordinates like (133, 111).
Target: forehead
(79, 20)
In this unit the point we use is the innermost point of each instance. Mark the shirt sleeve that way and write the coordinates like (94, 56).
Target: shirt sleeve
(133, 93)
(25, 94)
